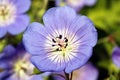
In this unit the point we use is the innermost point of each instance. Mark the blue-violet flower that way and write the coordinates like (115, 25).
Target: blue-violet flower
(64, 43)
(116, 56)
(76, 4)
(86, 72)
(12, 16)
(15, 64)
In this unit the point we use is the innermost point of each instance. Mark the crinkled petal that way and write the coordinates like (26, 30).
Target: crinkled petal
(3, 31)
(19, 25)
(43, 63)
(85, 31)
(57, 19)
(116, 56)
(21, 6)
(34, 39)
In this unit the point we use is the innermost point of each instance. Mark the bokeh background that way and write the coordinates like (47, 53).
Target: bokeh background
(105, 15)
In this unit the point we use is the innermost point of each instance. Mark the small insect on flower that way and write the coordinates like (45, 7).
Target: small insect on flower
(116, 56)
(12, 16)
(64, 43)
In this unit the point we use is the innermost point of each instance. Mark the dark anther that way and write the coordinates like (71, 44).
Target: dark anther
(53, 40)
(53, 45)
(57, 49)
(60, 45)
(66, 40)
(60, 36)
(66, 45)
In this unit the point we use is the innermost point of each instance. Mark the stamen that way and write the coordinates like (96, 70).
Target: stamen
(57, 49)
(66, 45)
(53, 45)
(66, 40)
(60, 36)
(61, 44)
(53, 40)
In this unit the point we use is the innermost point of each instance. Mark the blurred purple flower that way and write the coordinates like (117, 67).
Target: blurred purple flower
(15, 64)
(86, 72)
(116, 56)
(65, 43)
(12, 16)
(76, 4)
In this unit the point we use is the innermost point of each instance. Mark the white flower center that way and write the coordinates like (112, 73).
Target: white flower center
(60, 42)
(23, 69)
(61, 46)
(7, 13)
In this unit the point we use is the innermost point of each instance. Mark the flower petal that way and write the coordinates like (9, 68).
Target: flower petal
(76, 62)
(8, 51)
(4, 64)
(40, 76)
(22, 6)
(84, 73)
(43, 63)
(4, 75)
(55, 21)
(36, 77)
(83, 53)
(90, 2)
(116, 56)
(34, 39)
(85, 31)
(57, 77)
(19, 25)
(75, 4)
(3, 31)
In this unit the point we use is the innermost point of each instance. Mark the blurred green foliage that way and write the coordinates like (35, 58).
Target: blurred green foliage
(106, 17)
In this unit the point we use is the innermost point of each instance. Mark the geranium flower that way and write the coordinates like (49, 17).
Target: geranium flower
(86, 72)
(76, 4)
(12, 16)
(116, 56)
(64, 43)
(15, 65)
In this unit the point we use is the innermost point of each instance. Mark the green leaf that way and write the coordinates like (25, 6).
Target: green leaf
(36, 71)
(112, 77)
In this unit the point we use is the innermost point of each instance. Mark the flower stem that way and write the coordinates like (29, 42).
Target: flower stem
(71, 76)
(66, 76)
